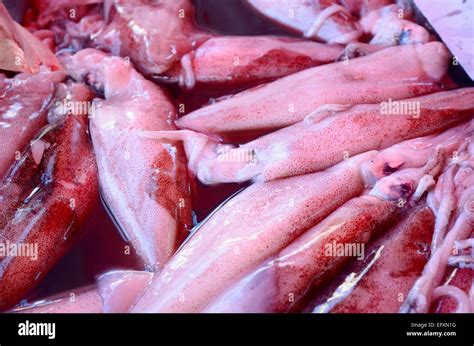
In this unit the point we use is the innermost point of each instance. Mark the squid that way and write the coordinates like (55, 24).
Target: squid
(452, 235)
(114, 292)
(180, 52)
(259, 221)
(389, 27)
(20, 51)
(371, 79)
(322, 20)
(337, 21)
(383, 281)
(124, 28)
(316, 143)
(132, 31)
(144, 183)
(281, 283)
(240, 60)
(24, 106)
(46, 195)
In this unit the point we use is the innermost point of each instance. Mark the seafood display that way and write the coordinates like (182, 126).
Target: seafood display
(154, 162)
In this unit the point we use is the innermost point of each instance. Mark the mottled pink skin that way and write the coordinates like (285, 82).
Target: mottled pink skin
(280, 284)
(415, 152)
(45, 199)
(20, 50)
(299, 16)
(120, 289)
(23, 110)
(54, 5)
(115, 292)
(246, 230)
(143, 181)
(383, 288)
(370, 79)
(245, 59)
(310, 146)
(361, 7)
(154, 35)
(453, 202)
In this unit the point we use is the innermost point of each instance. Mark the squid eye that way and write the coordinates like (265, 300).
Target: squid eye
(405, 36)
(404, 189)
(91, 81)
(387, 169)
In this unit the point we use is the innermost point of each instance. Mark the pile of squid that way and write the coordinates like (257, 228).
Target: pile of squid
(353, 145)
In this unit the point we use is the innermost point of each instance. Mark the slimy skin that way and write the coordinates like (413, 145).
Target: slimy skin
(153, 34)
(82, 300)
(424, 289)
(310, 145)
(415, 152)
(400, 264)
(23, 110)
(119, 289)
(144, 182)
(21, 51)
(374, 78)
(454, 225)
(115, 292)
(46, 195)
(322, 20)
(247, 229)
(389, 29)
(238, 60)
(279, 284)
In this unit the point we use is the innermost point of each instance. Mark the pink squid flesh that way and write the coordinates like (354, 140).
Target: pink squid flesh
(425, 288)
(385, 285)
(20, 50)
(389, 29)
(453, 202)
(279, 284)
(115, 292)
(315, 144)
(462, 280)
(82, 300)
(154, 35)
(23, 107)
(238, 60)
(357, 81)
(144, 182)
(323, 20)
(248, 228)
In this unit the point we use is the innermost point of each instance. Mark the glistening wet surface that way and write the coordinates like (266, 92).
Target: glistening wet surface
(101, 247)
